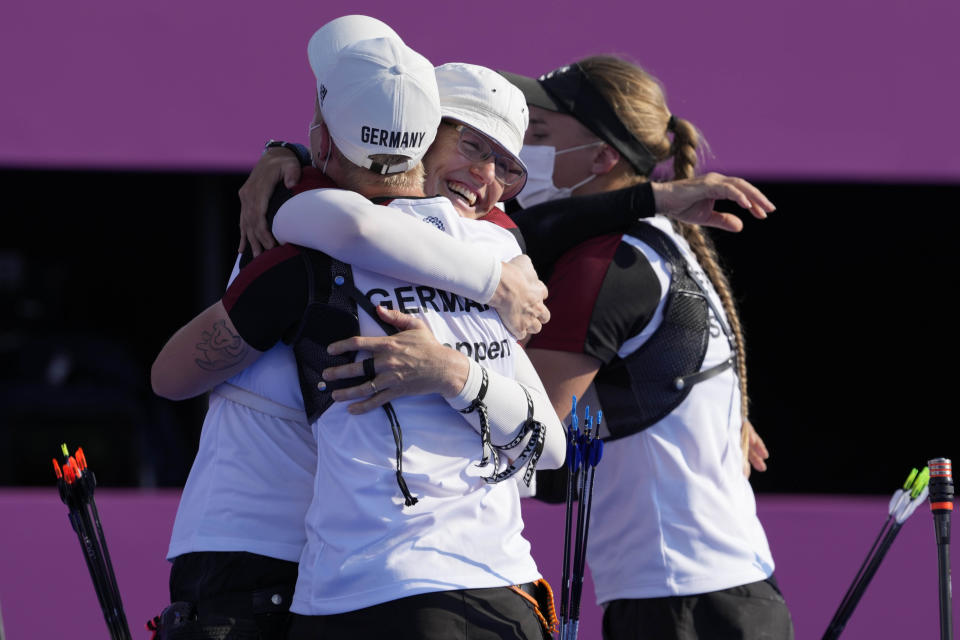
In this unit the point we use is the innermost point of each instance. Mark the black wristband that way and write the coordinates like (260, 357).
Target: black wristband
(298, 150)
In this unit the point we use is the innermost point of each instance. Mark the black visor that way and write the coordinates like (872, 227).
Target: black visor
(568, 90)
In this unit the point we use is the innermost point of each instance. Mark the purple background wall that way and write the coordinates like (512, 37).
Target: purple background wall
(843, 89)
(818, 544)
(839, 90)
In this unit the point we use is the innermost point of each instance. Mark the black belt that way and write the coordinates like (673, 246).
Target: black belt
(275, 599)
(528, 588)
(542, 596)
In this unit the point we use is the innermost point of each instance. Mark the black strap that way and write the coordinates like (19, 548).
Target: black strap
(682, 382)
(362, 301)
(480, 407)
(408, 498)
(273, 599)
(530, 454)
(662, 244)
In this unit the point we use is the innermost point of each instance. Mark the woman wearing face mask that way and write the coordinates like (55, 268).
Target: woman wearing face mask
(644, 327)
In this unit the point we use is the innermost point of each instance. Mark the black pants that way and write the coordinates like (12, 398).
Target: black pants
(752, 611)
(226, 595)
(467, 614)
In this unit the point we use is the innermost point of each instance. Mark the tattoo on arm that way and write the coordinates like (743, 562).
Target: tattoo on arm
(220, 348)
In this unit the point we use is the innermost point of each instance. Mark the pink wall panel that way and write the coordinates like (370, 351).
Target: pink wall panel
(844, 89)
(818, 543)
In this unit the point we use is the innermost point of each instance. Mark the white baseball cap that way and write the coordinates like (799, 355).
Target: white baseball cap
(380, 97)
(332, 37)
(488, 102)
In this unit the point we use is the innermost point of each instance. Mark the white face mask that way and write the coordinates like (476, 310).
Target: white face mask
(540, 187)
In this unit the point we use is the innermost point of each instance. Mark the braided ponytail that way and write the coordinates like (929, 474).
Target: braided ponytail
(684, 152)
(638, 99)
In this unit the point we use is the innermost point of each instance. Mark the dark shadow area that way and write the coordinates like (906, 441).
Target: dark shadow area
(844, 291)
(97, 270)
(845, 294)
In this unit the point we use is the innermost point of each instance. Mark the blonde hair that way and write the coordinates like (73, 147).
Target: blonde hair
(639, 102)
(355, 177)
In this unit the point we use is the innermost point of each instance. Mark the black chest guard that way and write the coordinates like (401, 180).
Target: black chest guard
(330, 315)
(641, 389)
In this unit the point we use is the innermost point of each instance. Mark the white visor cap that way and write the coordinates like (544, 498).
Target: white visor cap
(488, 102)
(381, 97)
(327, 42)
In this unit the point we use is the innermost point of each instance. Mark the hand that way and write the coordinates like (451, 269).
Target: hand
(693, 199)
(409, 363)
(274, 166)
(756, 450)
(519, 298)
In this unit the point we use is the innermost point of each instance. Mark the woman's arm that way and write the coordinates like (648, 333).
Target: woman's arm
(551, 228)
(507, 409)
(264, 301)
(277, 165)
(349, 227)
(413, 362)
(565, 374)
(203, 353)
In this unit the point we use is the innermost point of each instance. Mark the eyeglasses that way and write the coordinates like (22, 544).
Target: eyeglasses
(476, 148)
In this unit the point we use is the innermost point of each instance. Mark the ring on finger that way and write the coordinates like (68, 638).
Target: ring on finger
(373, 386)
(369, 371)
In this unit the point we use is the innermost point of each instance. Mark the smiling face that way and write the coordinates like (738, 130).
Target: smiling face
(472, 187)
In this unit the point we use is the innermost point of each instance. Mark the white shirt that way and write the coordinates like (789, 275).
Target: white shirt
(673, 513)
(252, 479)
(363, 546)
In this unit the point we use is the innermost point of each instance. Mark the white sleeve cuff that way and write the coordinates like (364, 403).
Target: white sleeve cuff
(470, 390)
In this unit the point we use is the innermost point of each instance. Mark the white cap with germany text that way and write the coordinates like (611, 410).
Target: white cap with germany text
(380, 97)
